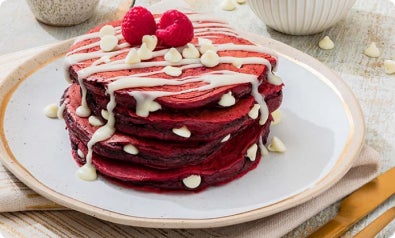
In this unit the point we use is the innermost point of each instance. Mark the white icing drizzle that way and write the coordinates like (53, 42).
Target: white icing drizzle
(95, 35)
(145, 100)
(104, 114)
(103, 59)
(253, 113)
(83, 110)
(88, 171)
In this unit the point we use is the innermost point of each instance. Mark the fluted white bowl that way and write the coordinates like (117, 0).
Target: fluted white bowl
(300, 17)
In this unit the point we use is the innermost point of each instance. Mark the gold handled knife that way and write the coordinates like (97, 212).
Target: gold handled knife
(358, 204)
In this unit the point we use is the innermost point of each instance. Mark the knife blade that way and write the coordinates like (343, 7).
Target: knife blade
(358, 204)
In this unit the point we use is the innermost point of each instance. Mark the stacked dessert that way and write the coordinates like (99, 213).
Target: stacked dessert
(168, 102)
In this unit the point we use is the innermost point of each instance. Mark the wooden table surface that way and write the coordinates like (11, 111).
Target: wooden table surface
(368, 21)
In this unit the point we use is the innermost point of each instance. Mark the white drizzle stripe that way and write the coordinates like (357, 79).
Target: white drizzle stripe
(209, 33)
(83, 110)
(211, 25)
(95, 35)
(104, 132)
(97, 43)
(120, 65)
(76, 58)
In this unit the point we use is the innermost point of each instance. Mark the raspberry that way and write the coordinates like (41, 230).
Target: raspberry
(137, 22)
(174, 29)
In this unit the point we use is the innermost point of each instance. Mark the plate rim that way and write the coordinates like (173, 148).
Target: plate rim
(341, 167)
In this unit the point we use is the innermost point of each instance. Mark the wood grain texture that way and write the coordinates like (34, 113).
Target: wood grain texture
(368, 21)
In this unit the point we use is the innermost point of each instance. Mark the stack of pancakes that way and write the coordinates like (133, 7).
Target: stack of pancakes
(216, 144)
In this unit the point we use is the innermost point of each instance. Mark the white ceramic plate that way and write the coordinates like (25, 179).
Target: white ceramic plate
(322, 128)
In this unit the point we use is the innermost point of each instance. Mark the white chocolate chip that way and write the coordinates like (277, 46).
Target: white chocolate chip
(228, 5)
(150, 41)
(108, 42)
(254, 112)
(251, 152)
(190, 52)
(132, 57)
(326, 43)
(193, 181)
(205, 45)
(276, 117)
(210, 59)
(87, 172)
(80, 154)
(173, 56)
(241, 1)
(172, 71)
(106, 30)
(130, 149)
(144, 53)
(105, 114)
(51, 111)
(203, 48)
(95, 121)
(202, 41)
(183, 132)
(389, 66)
(276, 145)
(372, 51)
(237, 63)
(227, 100)
(225, 139)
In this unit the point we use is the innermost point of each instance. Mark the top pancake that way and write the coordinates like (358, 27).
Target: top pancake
(219, 33)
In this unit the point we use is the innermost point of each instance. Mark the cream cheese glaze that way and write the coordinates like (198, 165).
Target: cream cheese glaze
(145, 100)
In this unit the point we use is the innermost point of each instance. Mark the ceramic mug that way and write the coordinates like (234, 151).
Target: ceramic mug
(62, 12)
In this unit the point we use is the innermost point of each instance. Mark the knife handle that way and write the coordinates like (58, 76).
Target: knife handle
(334, 228)
(378, 224)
